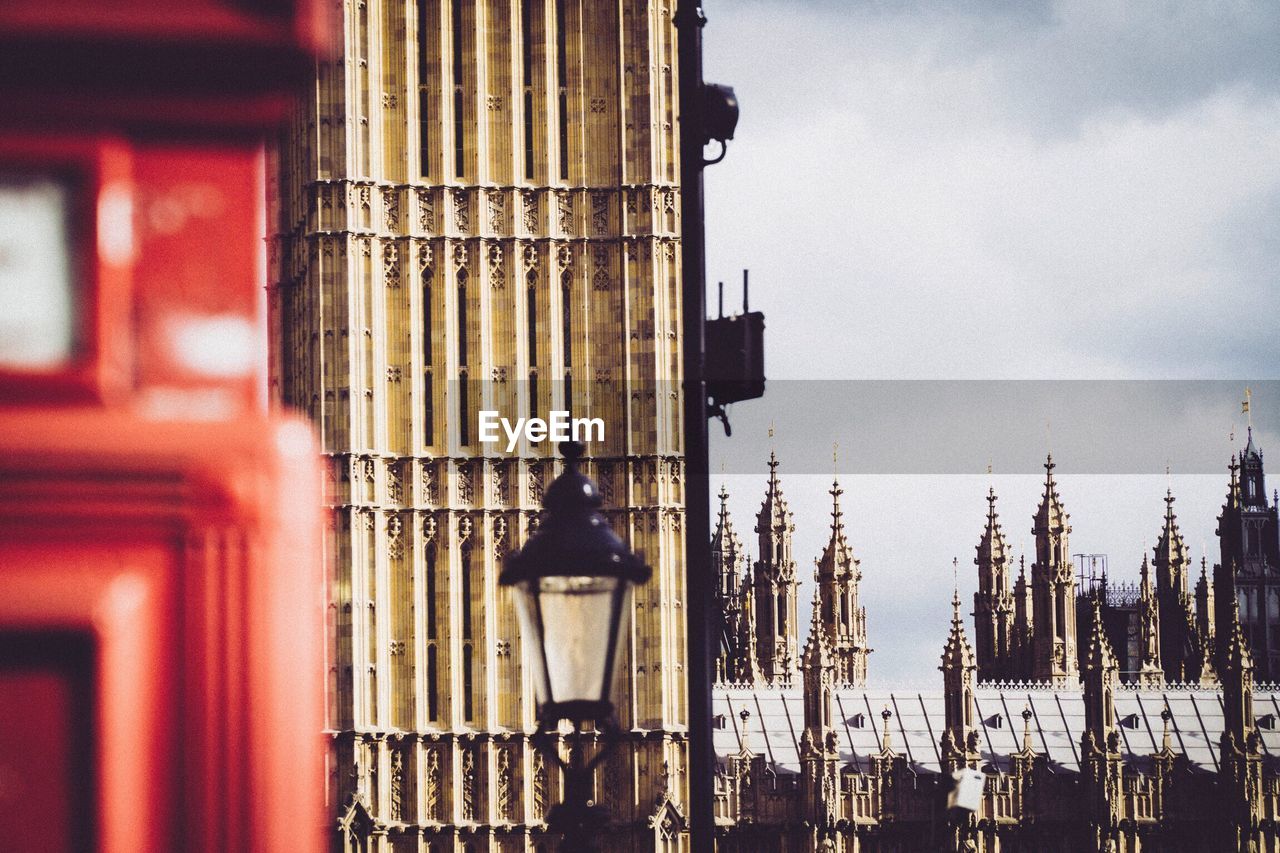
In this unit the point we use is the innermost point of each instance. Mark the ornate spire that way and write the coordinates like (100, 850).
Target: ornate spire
(886, 744)
(726, 546)
(1020, 645)
(1235, 653)
(1171, 554)
(775, 586)
(723, 522)
(1253, 489)
(1050, 513)
(1233, 488)
(1204, 601)
(728, 557)
(837, 557)
(1150, 674)
(747, 665)
(816, 643)
(837, 613)
(1026, 729)
(1101, 672)
(1053, 585)
(1099, 656)
(957, 652)
(958, 743)
(774, 489)
(819, 750)
(1250, 451)
(993, 603)
(991, 547)
(774, 519)
(1172, 564)
(1236, 672)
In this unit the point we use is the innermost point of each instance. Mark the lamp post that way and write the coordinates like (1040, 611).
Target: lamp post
(572, 582)
(708, 113)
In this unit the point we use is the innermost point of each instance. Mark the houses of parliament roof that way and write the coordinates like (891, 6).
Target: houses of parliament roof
(769, 720)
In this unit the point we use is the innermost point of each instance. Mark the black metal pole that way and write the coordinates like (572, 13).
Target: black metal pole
(698, 581)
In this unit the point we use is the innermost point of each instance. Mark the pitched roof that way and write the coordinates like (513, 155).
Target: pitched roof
(775, 721)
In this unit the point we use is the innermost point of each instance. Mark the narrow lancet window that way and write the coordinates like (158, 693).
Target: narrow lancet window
(459, 117)
(562, 81)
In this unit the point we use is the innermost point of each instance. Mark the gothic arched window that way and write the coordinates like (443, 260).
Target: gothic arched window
(459, 113)
(566, 302)
(424, 72)
(531, 323)
(433, 671)
(468, 662)
(428, 357)
(526, 26)
(464, 400)
(468, 682)
(562, 80)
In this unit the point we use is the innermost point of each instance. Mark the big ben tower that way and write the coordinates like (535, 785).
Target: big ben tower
(476, 208)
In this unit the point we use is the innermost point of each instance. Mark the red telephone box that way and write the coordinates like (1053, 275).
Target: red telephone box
(161, 618)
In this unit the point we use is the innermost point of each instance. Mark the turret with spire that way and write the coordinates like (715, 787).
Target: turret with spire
(1224, 571)
(732, 583)
(841, 619)
(1249, 568)
(1253, 491)
(1207, 673)
(993, 603)
(1101, 677)
(1053, 591)
(819, 744)
(1150, 673)
(1241, 757)
(1172, 564)
(1020, 649)
(1171, 557)
(1101, 764)
(746, 668)
(775, 587)
(959, 744)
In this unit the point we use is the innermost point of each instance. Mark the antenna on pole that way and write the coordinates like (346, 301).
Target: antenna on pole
(746, 302)
(720, 285)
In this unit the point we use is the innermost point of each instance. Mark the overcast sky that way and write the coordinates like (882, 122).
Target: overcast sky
(996, 190)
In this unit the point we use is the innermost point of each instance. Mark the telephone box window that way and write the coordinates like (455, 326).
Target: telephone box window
(47, 741)
(37, 291)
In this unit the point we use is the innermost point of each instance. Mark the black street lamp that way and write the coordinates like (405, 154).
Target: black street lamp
(573, 580)
(733, 352)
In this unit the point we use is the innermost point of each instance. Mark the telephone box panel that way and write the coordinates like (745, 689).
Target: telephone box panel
(191, 572)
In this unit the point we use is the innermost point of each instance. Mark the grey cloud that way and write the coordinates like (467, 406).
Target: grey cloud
(997, 190)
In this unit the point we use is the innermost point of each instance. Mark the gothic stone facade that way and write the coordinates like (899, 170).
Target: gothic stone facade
(1161, 630)
(759, 636)
(1183, 755)
(476, 207)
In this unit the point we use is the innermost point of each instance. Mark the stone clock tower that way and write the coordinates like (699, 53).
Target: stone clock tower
(476, 207)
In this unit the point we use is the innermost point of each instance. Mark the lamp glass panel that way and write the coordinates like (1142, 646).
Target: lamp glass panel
(577, 632)
(526, 599)
(37, 292)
